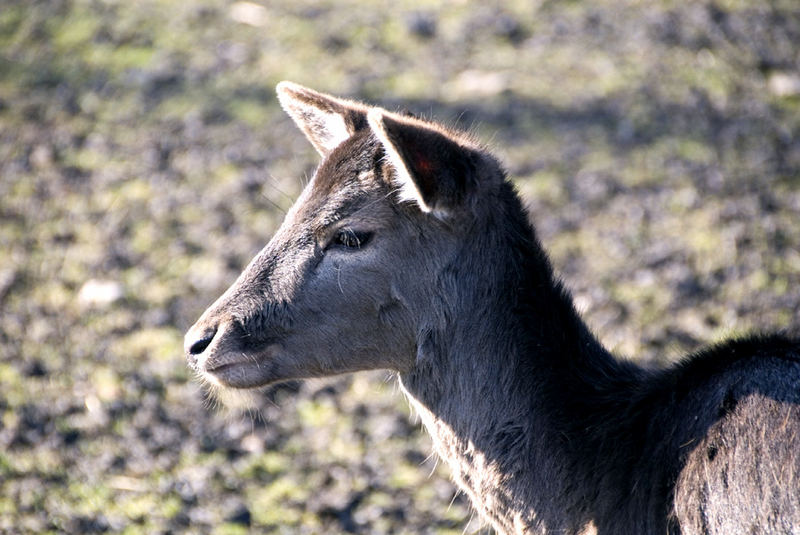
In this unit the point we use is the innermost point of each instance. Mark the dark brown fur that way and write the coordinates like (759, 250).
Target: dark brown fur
(410, 251)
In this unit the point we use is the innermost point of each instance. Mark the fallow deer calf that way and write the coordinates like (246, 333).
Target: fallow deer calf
(410, 251)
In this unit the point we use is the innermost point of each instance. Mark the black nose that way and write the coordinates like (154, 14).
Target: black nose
(195, 347)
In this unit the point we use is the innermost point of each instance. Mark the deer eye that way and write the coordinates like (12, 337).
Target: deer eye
(350, 239)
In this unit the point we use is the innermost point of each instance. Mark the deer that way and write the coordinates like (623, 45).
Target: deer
(409, 250)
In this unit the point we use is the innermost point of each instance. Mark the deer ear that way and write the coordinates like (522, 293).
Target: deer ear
(433, 168)
(325, 120)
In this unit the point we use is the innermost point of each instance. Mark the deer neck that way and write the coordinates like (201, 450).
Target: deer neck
(500, 387)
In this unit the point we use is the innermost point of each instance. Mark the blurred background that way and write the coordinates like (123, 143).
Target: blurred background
(144, 160)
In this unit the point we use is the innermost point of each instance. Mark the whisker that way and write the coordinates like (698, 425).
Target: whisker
(453, 499)
(273, 203)
(275, 183)
(339, 279)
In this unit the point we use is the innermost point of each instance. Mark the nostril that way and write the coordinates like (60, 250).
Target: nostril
(198, 346)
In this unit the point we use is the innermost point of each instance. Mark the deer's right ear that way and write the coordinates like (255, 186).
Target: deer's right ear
(435, 168)
(325, 120)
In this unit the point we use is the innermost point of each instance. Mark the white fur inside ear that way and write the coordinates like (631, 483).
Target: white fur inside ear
(408, 188)
(325, 129)
(330, 128)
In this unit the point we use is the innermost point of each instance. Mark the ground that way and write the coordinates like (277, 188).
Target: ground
(144, 159)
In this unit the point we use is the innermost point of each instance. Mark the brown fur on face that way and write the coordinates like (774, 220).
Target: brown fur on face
(306, 307)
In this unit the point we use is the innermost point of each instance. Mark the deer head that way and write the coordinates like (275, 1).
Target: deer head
(352, 280)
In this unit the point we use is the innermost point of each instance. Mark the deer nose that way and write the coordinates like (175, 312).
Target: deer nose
(197, 340)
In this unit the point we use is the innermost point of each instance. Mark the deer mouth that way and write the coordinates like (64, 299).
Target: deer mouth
(239, 369)
(244, 374)
(222, 368)
(227, 356)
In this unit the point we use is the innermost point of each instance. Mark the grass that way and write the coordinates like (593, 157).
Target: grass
(142, 151)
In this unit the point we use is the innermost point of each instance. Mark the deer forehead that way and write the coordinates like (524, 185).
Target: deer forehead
(348, 183)
(323, 205)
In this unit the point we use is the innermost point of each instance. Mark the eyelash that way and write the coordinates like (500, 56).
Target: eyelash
(350, 239)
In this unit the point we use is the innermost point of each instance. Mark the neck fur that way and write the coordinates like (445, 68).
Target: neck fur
(505, 390)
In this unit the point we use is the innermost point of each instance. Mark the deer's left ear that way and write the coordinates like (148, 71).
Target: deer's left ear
(325, 120)
(433, 167)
